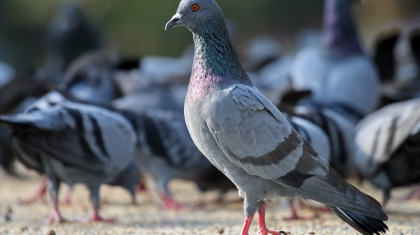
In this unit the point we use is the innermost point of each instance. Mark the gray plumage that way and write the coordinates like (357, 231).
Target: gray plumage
(165, 151)
(156, 97)
(69, 35)
(90, 79)
(387, 146)
(74, 143)
(247, 138)
(338, 73)
(340, 134)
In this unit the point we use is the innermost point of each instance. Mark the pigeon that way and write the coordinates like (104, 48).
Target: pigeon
(386, 146)
(339, 74)
(317, 138)
(165, 151)
(338, 130)
(74, 143)
(90, 79)
(384, 53)
(162, 97)
(403, 73)
(247, 138)
(69, 35)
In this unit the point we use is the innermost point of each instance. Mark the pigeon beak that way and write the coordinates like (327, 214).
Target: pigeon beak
(173, 22)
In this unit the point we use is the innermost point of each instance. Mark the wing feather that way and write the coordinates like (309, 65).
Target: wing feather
(265, 145)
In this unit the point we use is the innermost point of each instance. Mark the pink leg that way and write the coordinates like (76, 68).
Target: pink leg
(247, 225)
(293, 212)
(324, 209)
(141, 188)
(262, 228)
(55, 216)
(414, 195)
(96, 217)
(39, 193)
(67, 196)
(301, 205)
(169, 203)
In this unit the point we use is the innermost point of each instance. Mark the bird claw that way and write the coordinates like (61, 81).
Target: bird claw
(170, 204)
(55, 218)
(97, 218)
(413, 195)
(266, 232)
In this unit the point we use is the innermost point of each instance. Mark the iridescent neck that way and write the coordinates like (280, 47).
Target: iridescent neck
(215, 61)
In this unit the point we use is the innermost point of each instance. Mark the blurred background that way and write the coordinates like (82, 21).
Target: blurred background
(136, 28)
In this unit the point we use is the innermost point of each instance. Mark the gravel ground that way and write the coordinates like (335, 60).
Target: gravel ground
(147, 216)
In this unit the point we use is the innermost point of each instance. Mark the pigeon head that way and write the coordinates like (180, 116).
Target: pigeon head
(197, 15)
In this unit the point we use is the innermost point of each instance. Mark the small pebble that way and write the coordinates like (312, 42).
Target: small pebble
(51, 232)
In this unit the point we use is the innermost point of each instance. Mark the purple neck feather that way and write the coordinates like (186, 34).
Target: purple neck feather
(215, 62)
(339, 33)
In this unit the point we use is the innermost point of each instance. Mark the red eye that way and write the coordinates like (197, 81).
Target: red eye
(195, 7)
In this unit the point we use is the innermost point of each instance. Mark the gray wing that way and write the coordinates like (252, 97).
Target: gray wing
(166, 135)
(255, 136)
(87, 138)
(315, 136)
(381, 133)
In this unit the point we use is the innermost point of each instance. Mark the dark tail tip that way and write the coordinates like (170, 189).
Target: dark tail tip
(362, 223)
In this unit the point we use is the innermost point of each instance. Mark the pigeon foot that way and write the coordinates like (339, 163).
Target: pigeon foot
(265, 231)
(57, 218)
(413, 195)
(262, 228)
(141, 188)
(97, 218)
(38, 194)
(170, 204)
(293, 212)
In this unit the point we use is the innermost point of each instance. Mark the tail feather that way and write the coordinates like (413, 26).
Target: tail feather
(362, 223)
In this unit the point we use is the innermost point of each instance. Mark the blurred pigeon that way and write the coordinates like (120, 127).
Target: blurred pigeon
(317, 138)
(384, 54)
(134, 76)
(339, 74)
(387, 146)
(74, 143)
(165, 151)
(247, 138)
(7, 73)
(69, 36)
(15, 96)
(339, 132)
(90, 79)
(399, 65)
(162, 97)
(415, 46)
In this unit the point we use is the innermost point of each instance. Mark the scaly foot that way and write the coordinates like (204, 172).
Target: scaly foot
(55, 218)
(96, 218)
(170, 204)
(265, 231)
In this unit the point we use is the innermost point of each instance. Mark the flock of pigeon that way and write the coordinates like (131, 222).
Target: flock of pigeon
(332, 113)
